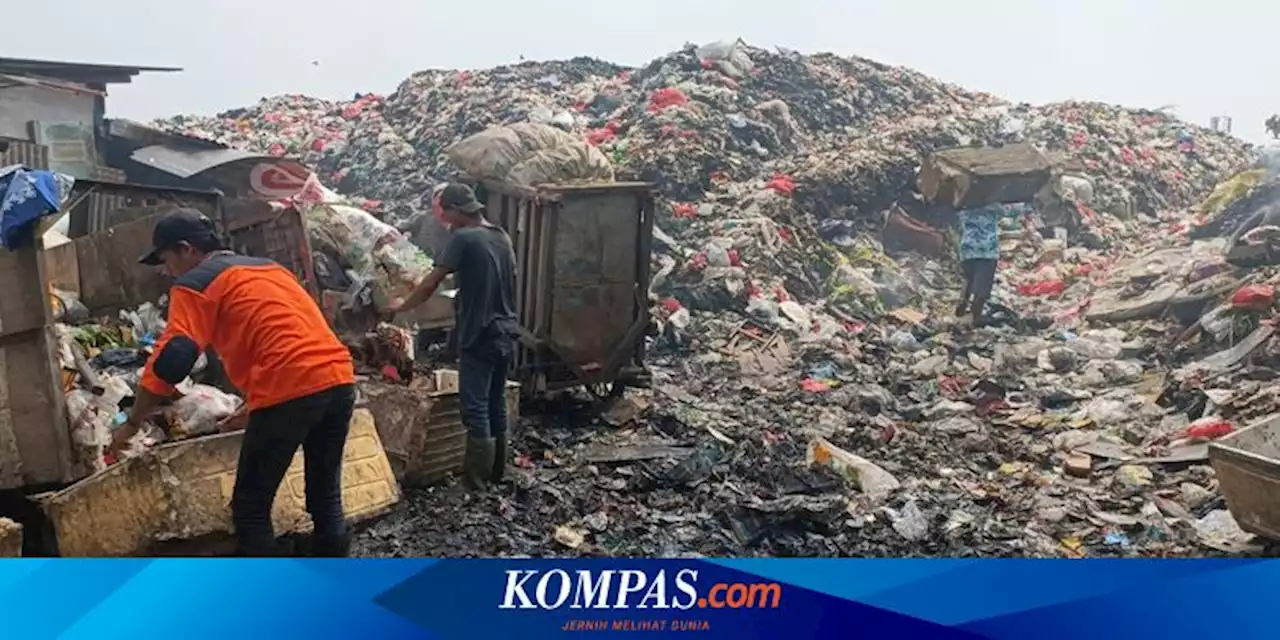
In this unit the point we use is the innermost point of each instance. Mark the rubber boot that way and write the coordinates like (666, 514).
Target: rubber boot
(478, 464)
(979, 318)
(501, 452)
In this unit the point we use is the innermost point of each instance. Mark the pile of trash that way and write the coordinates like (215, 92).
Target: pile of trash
(311, 130)
(813, 393)
(847, 133)
(102, 360)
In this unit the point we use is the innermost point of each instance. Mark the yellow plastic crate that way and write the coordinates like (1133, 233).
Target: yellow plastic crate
(422, 430)
(10, 539)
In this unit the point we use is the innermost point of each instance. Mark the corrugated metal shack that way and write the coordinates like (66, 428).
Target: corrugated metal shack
(51, 117)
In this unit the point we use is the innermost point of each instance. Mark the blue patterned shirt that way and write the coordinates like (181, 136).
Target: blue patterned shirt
(980, 230)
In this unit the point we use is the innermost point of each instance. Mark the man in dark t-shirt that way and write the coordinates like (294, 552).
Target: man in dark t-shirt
(480, 256)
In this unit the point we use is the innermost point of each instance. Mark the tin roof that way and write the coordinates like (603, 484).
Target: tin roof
(75, 71)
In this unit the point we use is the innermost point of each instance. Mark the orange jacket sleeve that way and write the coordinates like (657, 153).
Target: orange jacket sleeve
(186, 336)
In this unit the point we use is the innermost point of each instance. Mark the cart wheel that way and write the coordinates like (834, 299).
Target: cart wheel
(607, 390)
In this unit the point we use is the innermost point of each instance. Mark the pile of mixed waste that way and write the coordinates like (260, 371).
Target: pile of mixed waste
(102, 360)
(813, 393)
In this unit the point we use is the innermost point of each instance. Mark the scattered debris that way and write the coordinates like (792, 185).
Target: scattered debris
(813, 392)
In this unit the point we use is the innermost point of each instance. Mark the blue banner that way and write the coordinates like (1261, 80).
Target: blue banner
(739, 599)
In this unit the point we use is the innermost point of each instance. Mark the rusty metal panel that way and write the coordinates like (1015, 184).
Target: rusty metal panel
(582, 260)
(110, 276)
(280, 236)
(28, 154)
(101, 204)
(123, 202)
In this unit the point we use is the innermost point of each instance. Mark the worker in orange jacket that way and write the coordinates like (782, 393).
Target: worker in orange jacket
(296, 376)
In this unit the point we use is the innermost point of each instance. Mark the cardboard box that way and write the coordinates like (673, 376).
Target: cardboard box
(971, 177)
(183, 491)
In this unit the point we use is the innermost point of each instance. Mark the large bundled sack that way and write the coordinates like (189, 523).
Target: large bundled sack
(530, 154)
(376, 252)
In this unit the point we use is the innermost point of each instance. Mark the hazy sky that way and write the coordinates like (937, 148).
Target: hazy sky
(1207, 58)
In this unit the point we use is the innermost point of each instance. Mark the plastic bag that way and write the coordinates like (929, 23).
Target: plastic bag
(530, 154)
(729, 56)
(199, 410)
(1217, 322)
(91, 418)
(1076, 189)
(874, 481)
(376, 251)
(147, 322)
(67, 307)
(1254, 296)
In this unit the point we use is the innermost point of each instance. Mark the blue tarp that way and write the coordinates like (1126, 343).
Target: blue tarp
(25, 197)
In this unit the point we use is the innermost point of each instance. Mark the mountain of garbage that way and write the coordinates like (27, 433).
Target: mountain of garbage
(847, 132)
(812, 392)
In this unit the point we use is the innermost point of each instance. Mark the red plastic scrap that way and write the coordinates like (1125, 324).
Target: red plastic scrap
(319, 144)
(781, 294)
(708, 64)
(372, 204)
(671, 305)
(699, 261)
(352, 110)
(752, 290)
(579, 106)
(1080, 139)
(1042, 288)
(274, 116)
(781, 184)
(1208, 429)
(1254, 296)
(855, 327)
(684, 210)
(669, 97)
(809, 385)
(784, 233)
(688, 133)
(277, 150)
(1127, 156)
(597, 136)
(668, 130)
(952, 386)
(624, 76)
(734, 259)
(389, 372)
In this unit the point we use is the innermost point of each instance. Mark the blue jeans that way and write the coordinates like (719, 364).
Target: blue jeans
(482, 383)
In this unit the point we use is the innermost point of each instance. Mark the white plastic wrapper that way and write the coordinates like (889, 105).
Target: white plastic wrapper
(199, 410)
(376, 251)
